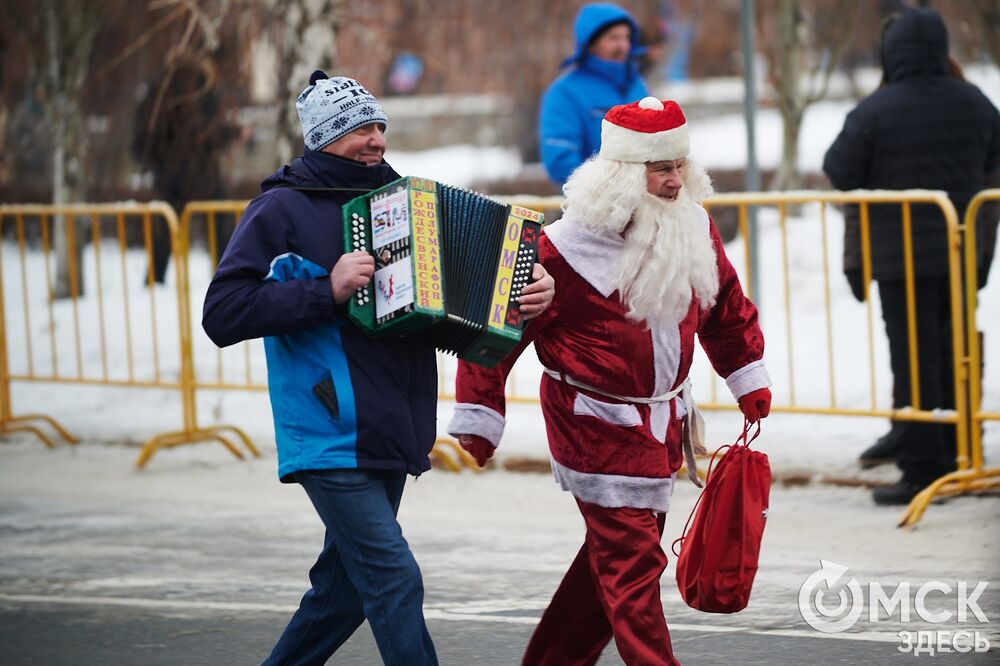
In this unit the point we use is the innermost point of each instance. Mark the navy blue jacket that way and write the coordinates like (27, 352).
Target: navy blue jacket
(273, 282)
(569, 124)
(920, 130)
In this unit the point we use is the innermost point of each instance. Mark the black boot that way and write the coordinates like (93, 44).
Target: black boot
(901, 492)
(884, 450)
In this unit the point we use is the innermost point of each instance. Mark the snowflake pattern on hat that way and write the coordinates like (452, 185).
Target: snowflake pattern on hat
(332, 107)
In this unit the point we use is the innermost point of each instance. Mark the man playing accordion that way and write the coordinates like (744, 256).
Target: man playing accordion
(353, 415)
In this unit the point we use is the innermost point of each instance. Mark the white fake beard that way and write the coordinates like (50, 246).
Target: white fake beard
(602, 194)
(668, 257)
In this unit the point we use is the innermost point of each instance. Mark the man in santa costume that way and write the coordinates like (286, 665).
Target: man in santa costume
(639, 269)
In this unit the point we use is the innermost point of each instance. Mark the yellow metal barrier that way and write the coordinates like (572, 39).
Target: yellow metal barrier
(192, 377)
(863, 199)
(782, 201)
(461, 458)
(202, 216)
(973, 476)
(192, 433)
(26, 422)
(51, 226)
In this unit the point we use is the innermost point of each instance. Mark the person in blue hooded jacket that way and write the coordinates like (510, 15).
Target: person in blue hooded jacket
(603, 72)
(352, 415)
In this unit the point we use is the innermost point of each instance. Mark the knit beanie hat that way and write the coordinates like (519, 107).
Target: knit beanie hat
(649, 130)
(333, 107)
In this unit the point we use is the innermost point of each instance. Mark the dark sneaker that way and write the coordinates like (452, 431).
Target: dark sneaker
(899, 493)
(883, 451)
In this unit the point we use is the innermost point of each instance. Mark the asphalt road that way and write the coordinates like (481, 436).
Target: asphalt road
(80, 633)
(202, 560)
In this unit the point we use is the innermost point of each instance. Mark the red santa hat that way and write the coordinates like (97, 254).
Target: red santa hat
(649, 130)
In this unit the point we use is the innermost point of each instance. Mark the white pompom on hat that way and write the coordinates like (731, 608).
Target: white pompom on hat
(649, 130)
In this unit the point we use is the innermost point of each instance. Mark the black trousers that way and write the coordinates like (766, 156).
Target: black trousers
(928, 449)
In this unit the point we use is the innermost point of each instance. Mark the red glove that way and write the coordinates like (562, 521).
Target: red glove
(756, 404)
(478, 447)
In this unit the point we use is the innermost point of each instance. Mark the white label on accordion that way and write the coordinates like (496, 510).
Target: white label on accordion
(393, 287)
(390, 218)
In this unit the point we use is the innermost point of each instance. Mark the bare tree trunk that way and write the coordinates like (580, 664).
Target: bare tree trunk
(790, 96)
(988, 12)
(802, 58)
(58, 114)
(307, 41)
(294, 15)
(788, 176)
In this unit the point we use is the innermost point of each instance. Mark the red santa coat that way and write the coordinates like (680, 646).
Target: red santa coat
(605, 451)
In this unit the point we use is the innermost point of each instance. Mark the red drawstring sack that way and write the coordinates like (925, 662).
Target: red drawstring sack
(717, 561)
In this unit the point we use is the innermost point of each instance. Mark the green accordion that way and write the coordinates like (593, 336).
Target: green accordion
(449, 266)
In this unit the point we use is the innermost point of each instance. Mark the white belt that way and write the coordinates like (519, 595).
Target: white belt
(693, 437)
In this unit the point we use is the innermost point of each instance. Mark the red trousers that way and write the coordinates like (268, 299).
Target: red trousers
(612, 588)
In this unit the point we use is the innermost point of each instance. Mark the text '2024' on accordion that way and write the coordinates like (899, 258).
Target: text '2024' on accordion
(449, 266)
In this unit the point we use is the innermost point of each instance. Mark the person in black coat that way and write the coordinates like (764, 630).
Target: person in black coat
(921, 129)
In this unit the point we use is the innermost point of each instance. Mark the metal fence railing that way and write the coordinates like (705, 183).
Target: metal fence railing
(62, 253)
(972, 473)
(42, 337)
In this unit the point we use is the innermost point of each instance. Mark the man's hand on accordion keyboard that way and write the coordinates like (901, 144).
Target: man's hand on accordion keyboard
(478, 447)
(536, 297)
(352, 271)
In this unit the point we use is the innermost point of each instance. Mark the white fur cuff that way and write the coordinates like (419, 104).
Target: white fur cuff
(473, 419)
(749, 378)
(613, 490)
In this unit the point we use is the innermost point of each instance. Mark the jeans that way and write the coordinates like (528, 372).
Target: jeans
(366, 571)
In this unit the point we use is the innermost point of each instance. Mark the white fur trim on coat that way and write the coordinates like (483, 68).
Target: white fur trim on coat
(749, 378)
(619, 414)
(594, 257)
(473, 419)
(613, 491)
(626, 145)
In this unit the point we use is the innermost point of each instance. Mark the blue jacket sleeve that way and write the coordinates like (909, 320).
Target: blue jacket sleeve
(242, 303)
(561, 134)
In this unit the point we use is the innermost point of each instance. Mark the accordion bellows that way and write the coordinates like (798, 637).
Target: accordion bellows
(449, 266)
